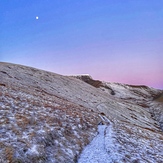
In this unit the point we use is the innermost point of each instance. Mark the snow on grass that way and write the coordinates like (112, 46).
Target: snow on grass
(33, 149)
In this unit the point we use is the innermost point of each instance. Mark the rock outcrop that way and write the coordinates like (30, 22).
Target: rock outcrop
(46, 118)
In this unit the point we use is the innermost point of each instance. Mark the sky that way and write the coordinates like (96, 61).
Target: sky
(112, 40)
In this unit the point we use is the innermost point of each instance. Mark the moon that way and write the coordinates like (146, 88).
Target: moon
(36, 17)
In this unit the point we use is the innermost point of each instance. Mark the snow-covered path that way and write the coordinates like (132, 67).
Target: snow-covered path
(96, 151)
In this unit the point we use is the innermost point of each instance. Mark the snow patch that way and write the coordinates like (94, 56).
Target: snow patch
(102, 148)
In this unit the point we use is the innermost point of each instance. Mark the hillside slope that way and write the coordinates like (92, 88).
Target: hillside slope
(46, 117)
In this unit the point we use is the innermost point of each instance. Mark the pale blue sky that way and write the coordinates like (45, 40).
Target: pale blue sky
(112, 40)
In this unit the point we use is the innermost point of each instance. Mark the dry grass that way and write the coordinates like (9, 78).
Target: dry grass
(160, 99)
(9, 151)
(51, 114)
(31, 115)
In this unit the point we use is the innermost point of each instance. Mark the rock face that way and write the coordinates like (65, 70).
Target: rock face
(50, 118)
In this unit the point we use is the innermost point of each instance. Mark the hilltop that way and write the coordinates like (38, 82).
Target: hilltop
(50, 118)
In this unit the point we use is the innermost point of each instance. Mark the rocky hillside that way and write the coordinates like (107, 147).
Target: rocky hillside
(50, 118)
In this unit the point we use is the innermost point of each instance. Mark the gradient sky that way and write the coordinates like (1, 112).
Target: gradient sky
(112, 40)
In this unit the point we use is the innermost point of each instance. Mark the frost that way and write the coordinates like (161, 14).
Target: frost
(25, 136)
(101, 149)
(117, 145)
(42, 121)
(33, 150)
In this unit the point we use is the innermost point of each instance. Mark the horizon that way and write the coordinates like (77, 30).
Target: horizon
(83, 75)
(113, 41)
